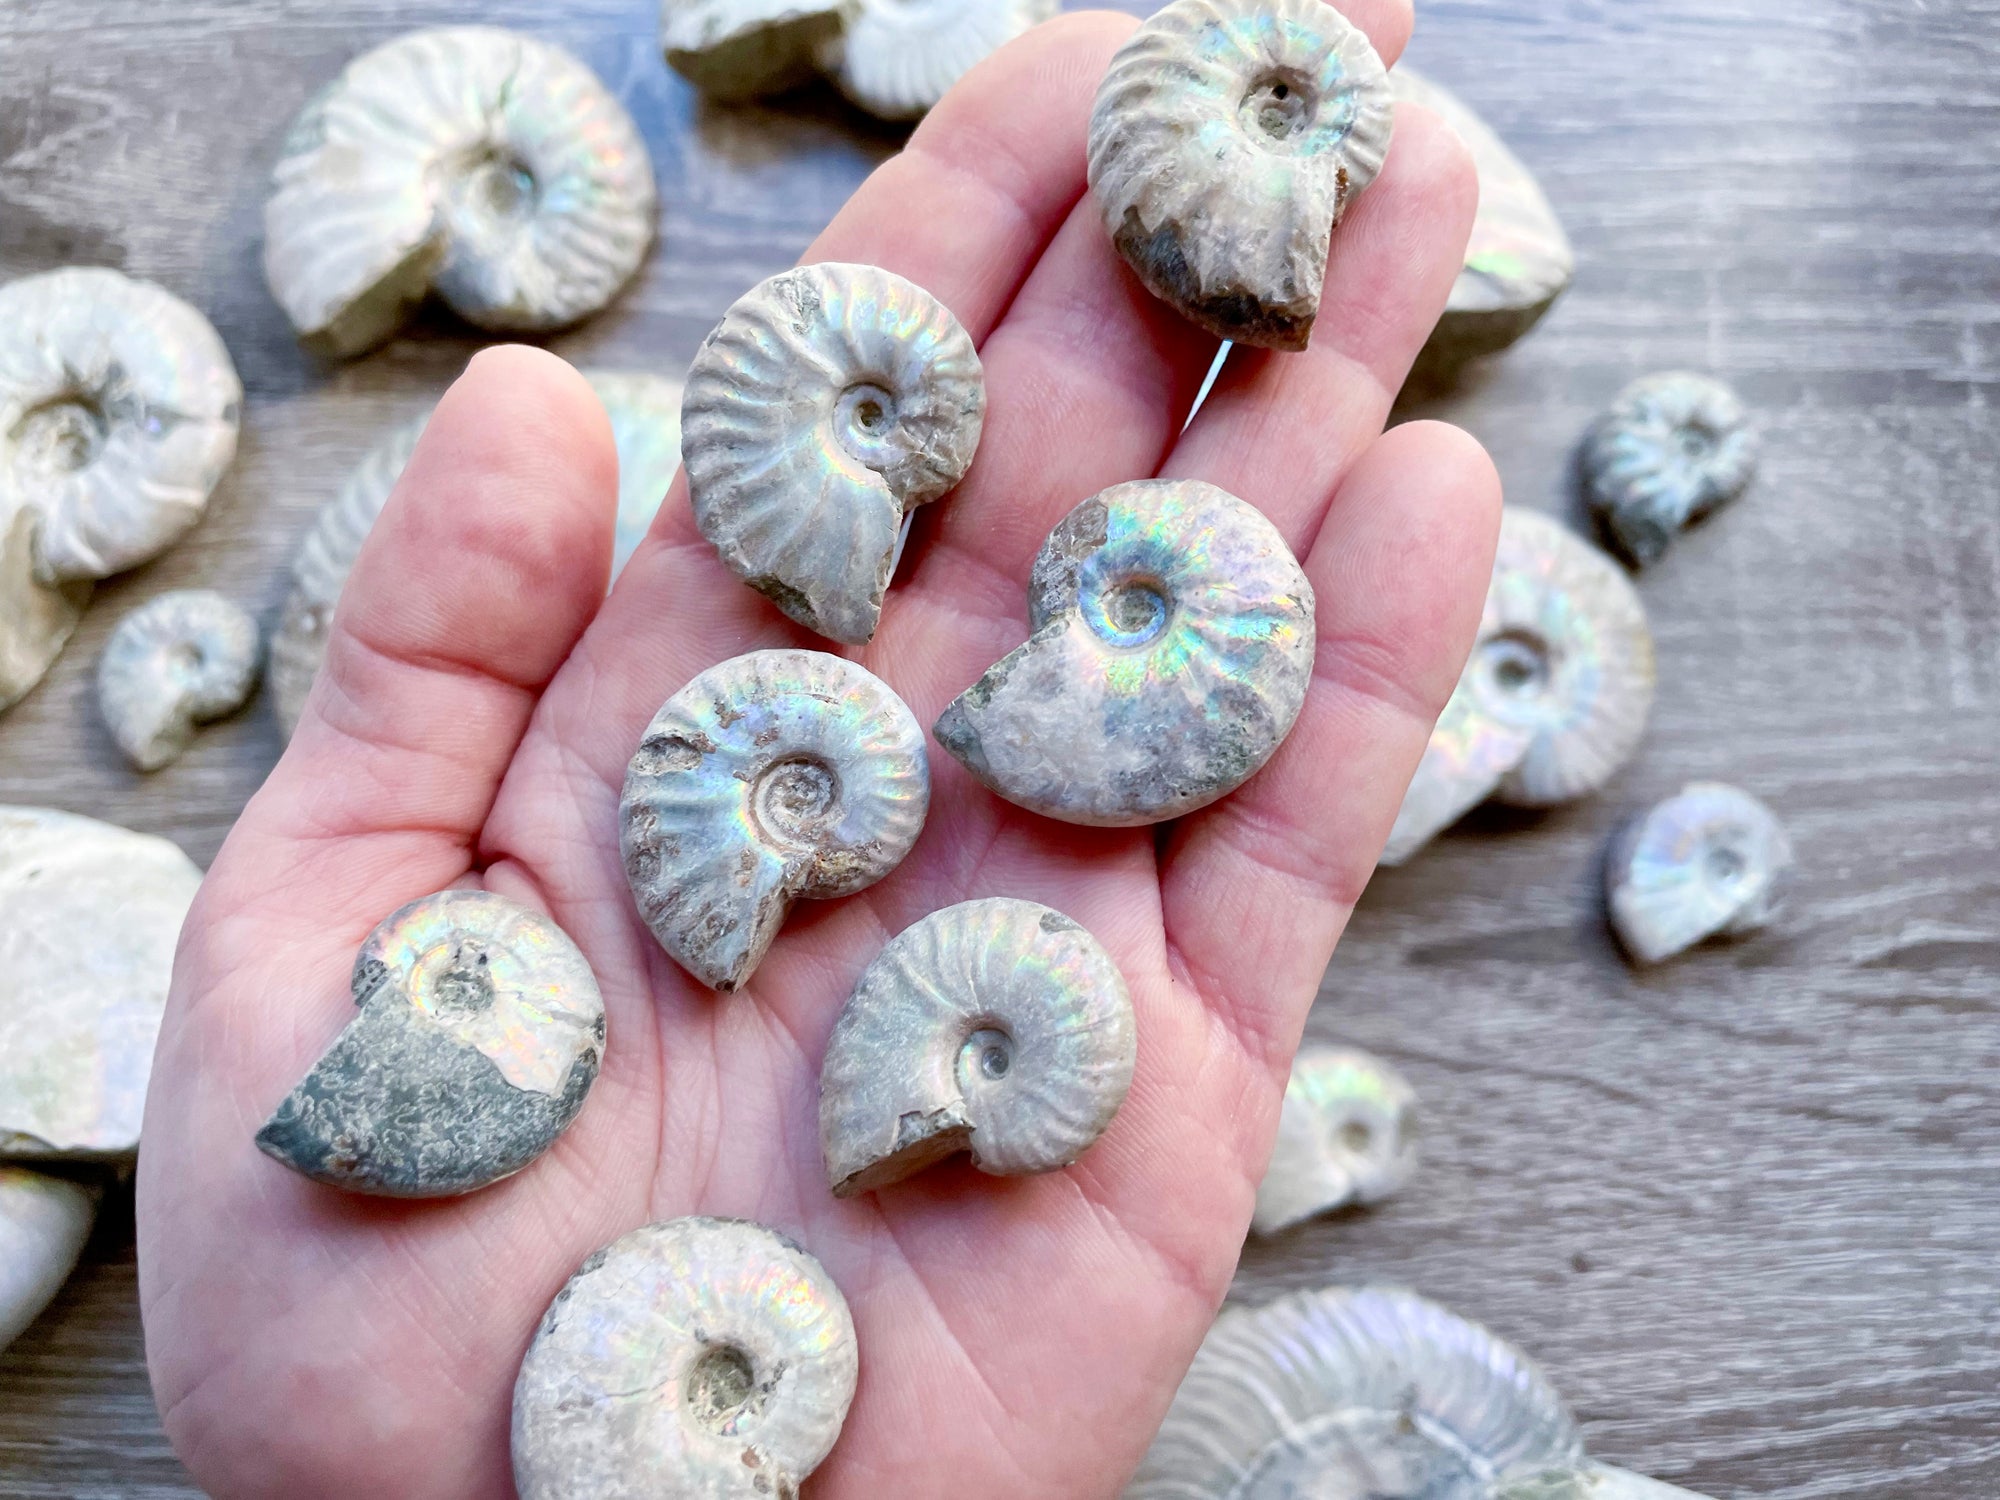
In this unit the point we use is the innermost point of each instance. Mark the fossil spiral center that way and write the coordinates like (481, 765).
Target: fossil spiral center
(1725, 865)
(1517, 670)
(1695, 440)
(60, 436)
(986, 1056)
(1355, 1135)
(451, 980)
(795, 799)
(721, 1388)
(1278, 105)
(1130, 612)
(864, 423)
(500, 185)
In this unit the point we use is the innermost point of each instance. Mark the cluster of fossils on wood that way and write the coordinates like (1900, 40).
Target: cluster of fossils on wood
(1170, 647)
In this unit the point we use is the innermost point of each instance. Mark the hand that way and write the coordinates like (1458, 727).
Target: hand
(472, 725)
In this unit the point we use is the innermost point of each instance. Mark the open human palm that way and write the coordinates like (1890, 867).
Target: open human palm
(472, 725)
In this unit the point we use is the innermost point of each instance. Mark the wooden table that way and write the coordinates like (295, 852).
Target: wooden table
(1745, 1209)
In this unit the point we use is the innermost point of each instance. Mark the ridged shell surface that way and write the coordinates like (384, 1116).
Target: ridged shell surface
(645, 412)
(998, 1027)
(1227, 141)
(897, 58)
(178, 661)
(1671, 449)
(44, 1222)
(830, 401)
(491, 168)
(36, 619)
(89, 916)
(1710, 860)
(738, 49)
(1347, 1134)
(1519, 259)
(480, 1032)
(1468, 753)
(1170, 648)
(1593, 1482)
(697, 1359)
(1354, 1395)
(771, 776)
(118, 414)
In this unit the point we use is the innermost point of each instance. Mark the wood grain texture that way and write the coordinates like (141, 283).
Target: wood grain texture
(1744, 1209)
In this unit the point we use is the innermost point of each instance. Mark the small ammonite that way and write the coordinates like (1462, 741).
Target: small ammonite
(1347, 1134)
(480, 1032)
(1592, 1481)
(44, 1222)
(998, 1027)
(1671, 449)
(1355, 1395)
(645, 412)
(1709, 861)
(477, 163)
(89, 916)
(1170, 647)
(118, 415)
(829, 402)
(698, 1359)
(896, 58)
(178, 661)
(1519, 259)
(1227, 141)
(772, 776)
(739, 49)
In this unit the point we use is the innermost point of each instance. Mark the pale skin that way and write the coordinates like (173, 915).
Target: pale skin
(472, 726)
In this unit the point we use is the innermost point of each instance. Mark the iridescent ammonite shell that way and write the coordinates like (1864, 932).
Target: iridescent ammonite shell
(704, 1358)
(89, 916)
(1709, 861)
(1671, 449)
(1519, 259)
(1170, 647)
(829, 402)
(645, 413)
(44, 1222)
(1355, 1395)
(480, 1032)
(118, 415)
(491, 168)
(998, 1027)
(897, 57)
(1228, 139)
(1347, 1134)
(1592, 1482)
(1554, 698)
(738, 49)
(178, 661)
(772, 776)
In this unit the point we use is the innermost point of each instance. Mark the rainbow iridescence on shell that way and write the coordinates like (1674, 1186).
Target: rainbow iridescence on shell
(1709, 860)
(1346, 1134)
(773, 775)
(996, 1026)
(736, 1341)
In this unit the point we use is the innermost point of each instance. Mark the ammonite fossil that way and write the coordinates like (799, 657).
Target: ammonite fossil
(1671, 449)
(178, 661)
(1709, 861)
(44, 1222)
(1347, 1134)
(738, 49)
(896, 58)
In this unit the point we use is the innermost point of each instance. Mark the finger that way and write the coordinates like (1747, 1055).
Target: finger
(1257, 888)
(1280, 430)
(483, 569)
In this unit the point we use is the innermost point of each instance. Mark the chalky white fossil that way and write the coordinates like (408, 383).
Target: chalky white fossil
(1710, 860)
(896, 58)
(830, 401)
(480, 164)
(697, 1358)
(44, 1222)
(178, 661)
(1347, 1134)
(738, 49)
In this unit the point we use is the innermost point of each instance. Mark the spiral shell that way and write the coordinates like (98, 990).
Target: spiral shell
(1227, 141)
(1170, 648)
(830, 401)
(1519, 259)
(700, 1359)
(1593, 1482)
(998, 1027)
(738, 49)
(118, 415)
(1708, 861)
(1671, 449)
(491, 168)
(898, 57)
(771, 776)
(1347, 1134)
(480, 1032)
(645, 412)
(44, 1222)
(1354, 1395)
(89, 915)
(180, 660)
